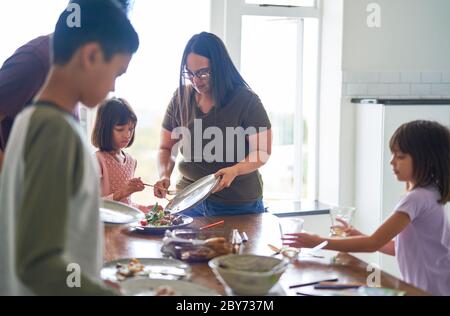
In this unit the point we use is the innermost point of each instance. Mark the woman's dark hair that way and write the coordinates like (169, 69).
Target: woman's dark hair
(224, 79)
(110, 113)
(101, 21)
(428, 143)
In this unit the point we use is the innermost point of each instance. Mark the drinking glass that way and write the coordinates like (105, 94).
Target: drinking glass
(337, 215)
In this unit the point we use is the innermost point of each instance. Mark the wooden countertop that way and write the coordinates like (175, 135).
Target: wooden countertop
(262, 229)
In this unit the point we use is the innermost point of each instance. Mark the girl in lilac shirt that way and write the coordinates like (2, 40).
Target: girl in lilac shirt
(113, 131)
(418, 231)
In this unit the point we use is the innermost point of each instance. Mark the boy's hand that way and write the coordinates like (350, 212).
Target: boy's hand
(161, 187)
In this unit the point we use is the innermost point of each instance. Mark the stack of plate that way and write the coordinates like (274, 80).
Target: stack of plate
(116, 213)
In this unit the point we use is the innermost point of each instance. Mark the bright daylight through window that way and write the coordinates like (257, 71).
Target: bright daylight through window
(278, 58)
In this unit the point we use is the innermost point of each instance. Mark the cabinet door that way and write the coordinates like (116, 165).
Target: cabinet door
(393, 190)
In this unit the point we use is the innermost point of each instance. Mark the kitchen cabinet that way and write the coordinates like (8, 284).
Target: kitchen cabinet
(377, 191)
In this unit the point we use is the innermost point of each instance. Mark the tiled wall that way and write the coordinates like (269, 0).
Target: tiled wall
(425, 84)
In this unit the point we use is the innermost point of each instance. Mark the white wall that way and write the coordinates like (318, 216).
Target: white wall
(406, 57)
(330, 95)
(23, 20)
(414, 35)
(410, 49)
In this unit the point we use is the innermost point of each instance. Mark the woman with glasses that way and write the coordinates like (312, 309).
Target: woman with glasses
(224, 130)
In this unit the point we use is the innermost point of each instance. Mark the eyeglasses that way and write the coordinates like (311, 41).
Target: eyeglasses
(202, 74)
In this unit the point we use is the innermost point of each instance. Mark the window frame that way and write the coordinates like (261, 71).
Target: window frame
(226, 22)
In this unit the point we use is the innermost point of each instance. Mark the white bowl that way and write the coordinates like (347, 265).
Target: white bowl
(248, 274)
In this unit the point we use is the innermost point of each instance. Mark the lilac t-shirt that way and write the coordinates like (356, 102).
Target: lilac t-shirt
(423, 247)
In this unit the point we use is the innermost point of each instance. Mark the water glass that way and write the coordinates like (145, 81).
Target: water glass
(338, 214)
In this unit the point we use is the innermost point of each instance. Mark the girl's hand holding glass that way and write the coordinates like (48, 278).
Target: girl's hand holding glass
(347, 229)
(301, 240)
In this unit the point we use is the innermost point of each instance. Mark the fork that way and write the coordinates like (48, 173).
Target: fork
(169, 192)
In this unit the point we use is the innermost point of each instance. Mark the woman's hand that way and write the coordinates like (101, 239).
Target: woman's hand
(161, 187)
(227, 176)
(301, 240)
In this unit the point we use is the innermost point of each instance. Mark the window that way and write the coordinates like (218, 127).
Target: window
(24, 20)
(164, 28)
(276, 49)
(275, 81)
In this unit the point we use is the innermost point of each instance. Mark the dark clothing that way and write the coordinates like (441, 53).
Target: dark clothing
(243, 111)
(211, 208)
(21, 77)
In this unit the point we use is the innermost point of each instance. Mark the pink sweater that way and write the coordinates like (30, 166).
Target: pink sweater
(114, 175)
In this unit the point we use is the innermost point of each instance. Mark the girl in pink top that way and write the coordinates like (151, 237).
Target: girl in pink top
(113, 131)
(418, 231)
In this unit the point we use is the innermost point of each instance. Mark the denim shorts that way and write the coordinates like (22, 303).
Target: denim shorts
(211, 208)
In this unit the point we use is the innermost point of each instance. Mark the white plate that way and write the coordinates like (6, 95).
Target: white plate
(147, 287)
(157, 268)
(193, 194)
(112, 212)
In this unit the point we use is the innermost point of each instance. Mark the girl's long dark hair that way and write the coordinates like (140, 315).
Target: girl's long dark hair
(428, 143)
(224, 79)
(111, 112)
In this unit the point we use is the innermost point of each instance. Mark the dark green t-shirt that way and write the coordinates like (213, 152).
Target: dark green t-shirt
(219, 139)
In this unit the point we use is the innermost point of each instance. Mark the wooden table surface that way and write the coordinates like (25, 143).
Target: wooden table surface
(262, 229)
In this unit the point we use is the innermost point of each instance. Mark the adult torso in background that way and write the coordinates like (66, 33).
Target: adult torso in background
(243, 111)
(21, 77)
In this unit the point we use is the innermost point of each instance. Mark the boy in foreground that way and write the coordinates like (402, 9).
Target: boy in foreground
(51, 237)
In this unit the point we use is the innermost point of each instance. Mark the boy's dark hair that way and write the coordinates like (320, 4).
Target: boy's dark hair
(110, 113)
(224, 79)
(428, 143)
(102, 21)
